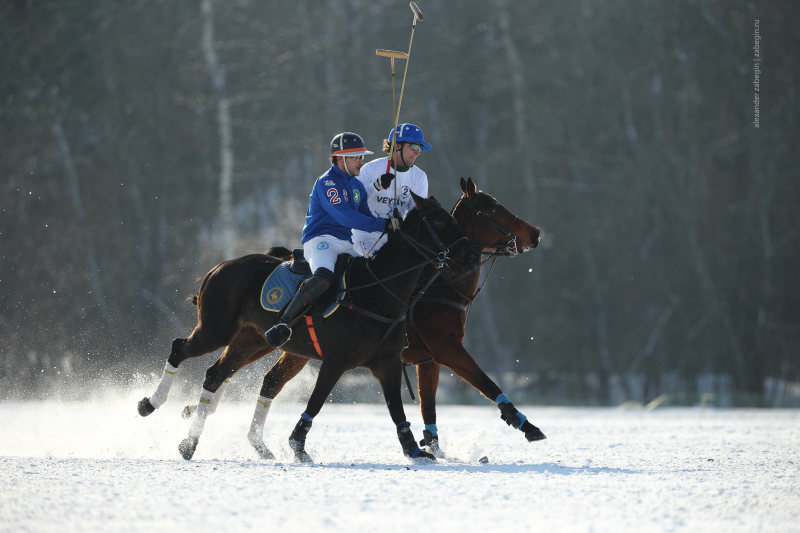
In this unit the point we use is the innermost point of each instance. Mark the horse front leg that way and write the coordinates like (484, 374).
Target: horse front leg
(388, 372)
(246, 342)
(200, 342)
(460, 361)
(427, 385)
(284, 369)
(329, 374)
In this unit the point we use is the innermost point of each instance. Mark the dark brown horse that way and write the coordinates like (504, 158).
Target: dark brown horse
(436, 333)
(368, 333)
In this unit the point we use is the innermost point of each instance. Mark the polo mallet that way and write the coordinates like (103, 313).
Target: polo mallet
(417, 16)
(392, 55)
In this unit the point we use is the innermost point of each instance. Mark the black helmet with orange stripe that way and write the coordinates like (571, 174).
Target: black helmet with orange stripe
(347, 144)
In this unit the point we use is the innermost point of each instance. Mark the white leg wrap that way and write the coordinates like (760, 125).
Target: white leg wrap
(162, 391)
(256, 433)
(219, 393)
(204, 408)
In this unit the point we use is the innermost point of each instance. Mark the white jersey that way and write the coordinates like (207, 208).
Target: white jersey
(380, 203)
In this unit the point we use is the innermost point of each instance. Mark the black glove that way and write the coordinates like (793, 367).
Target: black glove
(382, 183)
(392, 224)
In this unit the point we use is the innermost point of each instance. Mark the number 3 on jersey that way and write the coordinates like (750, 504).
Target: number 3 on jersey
(333, 196)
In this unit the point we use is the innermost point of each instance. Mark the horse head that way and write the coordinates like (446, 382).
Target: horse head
(490, 225)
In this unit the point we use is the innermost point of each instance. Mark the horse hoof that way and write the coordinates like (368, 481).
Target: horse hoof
(302, 457)
(533, 433)
(188, 411)
(145, 407)
(435, 450)
(430, 443)
(423, 456)
(263, 451)
(187, 447)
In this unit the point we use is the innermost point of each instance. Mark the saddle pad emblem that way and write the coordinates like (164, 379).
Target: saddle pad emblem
(274, 296)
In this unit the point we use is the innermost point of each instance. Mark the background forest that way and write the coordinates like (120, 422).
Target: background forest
(145, 141)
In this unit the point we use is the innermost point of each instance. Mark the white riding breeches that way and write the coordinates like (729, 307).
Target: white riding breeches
(322, 251)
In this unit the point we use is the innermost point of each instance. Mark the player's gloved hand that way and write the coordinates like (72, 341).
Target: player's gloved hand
(392, 224)
(383, 182)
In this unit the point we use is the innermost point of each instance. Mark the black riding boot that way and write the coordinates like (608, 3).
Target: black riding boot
(308, 293)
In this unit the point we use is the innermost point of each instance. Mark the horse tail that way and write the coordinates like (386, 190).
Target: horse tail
(192, 298)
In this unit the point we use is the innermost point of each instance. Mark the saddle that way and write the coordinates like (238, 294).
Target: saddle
(281, 285)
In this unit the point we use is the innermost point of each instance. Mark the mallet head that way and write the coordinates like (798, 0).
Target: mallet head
(391, 53)
(417, 13)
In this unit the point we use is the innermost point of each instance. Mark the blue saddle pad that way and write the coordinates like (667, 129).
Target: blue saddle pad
(282, 284)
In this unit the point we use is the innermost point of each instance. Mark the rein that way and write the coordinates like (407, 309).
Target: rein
(435, 257)
(507, 249)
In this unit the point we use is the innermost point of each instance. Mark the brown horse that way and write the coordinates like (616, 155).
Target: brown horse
(369, 332)
(436, 333)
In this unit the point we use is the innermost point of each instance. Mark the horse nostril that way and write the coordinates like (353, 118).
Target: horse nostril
(535, 236)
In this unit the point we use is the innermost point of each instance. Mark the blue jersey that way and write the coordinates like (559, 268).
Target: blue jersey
(337, 204)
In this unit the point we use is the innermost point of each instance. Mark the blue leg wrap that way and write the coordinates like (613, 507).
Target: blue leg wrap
(305, 416)
(432, 429)
(502, 398)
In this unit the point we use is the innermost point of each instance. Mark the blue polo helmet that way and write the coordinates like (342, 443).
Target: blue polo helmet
(409, 133)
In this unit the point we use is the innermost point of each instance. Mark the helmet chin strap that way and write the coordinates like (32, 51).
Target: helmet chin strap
(344, 164)
(403, 159)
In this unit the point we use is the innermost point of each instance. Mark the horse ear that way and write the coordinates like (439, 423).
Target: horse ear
(463, 184)
(471, 187)
(418, 200)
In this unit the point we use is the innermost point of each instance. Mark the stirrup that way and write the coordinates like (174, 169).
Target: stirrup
(278, 334)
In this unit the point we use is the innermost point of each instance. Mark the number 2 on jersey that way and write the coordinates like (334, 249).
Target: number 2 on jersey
(333, 196)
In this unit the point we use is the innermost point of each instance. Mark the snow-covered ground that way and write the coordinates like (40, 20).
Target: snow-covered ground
(98, 466)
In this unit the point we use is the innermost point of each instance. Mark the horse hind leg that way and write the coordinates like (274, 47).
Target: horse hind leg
(189, 410)
(149, 404)
(198, 343)
(286, 368)
(245, 343)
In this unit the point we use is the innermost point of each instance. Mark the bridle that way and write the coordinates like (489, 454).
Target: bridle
(437, 258)
(509, 248)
